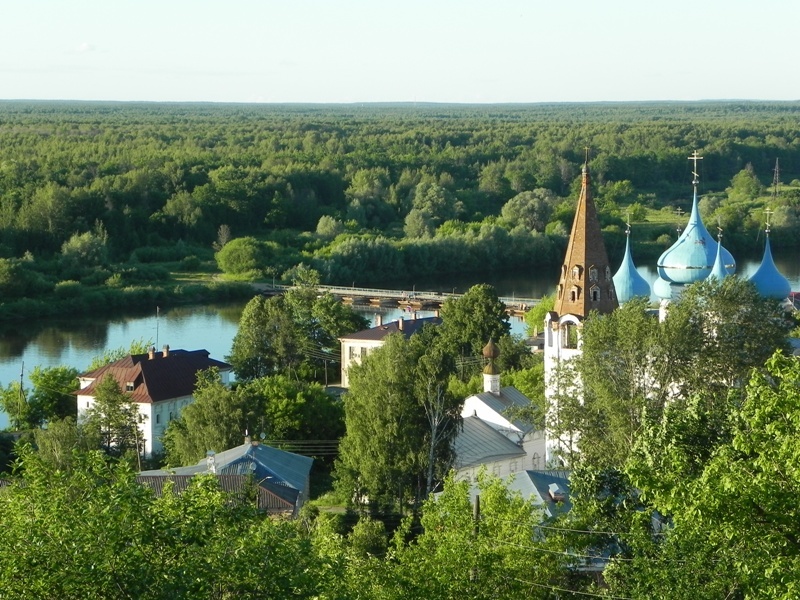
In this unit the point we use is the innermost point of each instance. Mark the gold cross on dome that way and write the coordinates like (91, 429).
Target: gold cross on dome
(694, 158)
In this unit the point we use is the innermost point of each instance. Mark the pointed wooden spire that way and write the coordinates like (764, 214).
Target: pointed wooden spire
(585, 283)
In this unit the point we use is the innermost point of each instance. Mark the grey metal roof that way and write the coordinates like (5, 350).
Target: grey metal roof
(541, 481)
(409, 328)
(265, 463)
(534, 485)
(509, 397)
(478, 443)
(273, 499)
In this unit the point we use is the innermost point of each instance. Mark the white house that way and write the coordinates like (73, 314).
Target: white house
(492, 437)
(356, 346)
(160, 384)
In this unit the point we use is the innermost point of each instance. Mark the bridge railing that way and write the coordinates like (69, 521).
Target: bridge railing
(510, 301)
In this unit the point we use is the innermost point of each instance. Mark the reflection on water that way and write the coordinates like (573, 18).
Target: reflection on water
(75, 342)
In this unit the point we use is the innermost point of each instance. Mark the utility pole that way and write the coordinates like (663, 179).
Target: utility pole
(476, 517)
(21, 398)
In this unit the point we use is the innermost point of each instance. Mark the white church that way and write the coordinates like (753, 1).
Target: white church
(586, 285)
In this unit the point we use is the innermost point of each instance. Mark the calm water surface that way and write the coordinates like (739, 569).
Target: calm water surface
(76, 342)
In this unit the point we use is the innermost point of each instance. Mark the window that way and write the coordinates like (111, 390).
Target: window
(595, 294)
(158, 418)
(593, 274)
(363, 353)
(535, 460)
(576, 272)
(352, 353)
(129, 386)
(569, 335)
(170, 415)
(560, 290)
(575, 294)
(608, 273)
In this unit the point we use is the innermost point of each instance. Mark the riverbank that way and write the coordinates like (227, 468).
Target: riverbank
(81, 301)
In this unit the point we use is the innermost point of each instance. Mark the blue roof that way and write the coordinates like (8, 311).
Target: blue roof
(628, 283)
(718, 271)
(768, 280)
(691, 257)
(662, 288)
(265, 463)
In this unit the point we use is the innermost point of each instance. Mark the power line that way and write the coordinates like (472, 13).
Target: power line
(589, 556)
(591, 531)
(560, 589)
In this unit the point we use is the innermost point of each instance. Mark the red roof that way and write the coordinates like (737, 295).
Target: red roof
(155, 376)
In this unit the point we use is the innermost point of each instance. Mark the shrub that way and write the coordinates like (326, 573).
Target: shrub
(68, 289)
(190, 263)
(241, 256)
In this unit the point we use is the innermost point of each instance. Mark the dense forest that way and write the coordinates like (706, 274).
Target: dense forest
(96, 193)
(679, 488)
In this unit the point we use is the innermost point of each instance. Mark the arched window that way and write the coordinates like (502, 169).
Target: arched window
(608, 273)
(569, 335)
(575, 294)
(595, 294)
(576, 272)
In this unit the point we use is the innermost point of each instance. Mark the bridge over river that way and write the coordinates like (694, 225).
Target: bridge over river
(413, 299)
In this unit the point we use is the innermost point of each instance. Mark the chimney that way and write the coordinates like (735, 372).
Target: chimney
(556, 493)
(151, 352)
(165, 351)
(211, 461)
(247, 439)
(400, 323)
(378, 320)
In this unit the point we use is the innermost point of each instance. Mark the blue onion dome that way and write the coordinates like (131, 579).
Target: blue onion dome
(691, 257)
(768, 280)
(718, 271)
(628, 283)
(662, 288)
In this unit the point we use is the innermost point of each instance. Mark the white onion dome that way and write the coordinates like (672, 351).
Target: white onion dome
(768, 280)
(691, 258)
(628, 283)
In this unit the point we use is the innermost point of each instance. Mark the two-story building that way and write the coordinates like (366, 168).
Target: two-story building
(160, 384)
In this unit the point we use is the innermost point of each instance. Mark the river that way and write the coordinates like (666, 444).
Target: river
(76, 342)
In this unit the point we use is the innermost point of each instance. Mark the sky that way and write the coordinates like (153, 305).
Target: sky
(465, 51)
